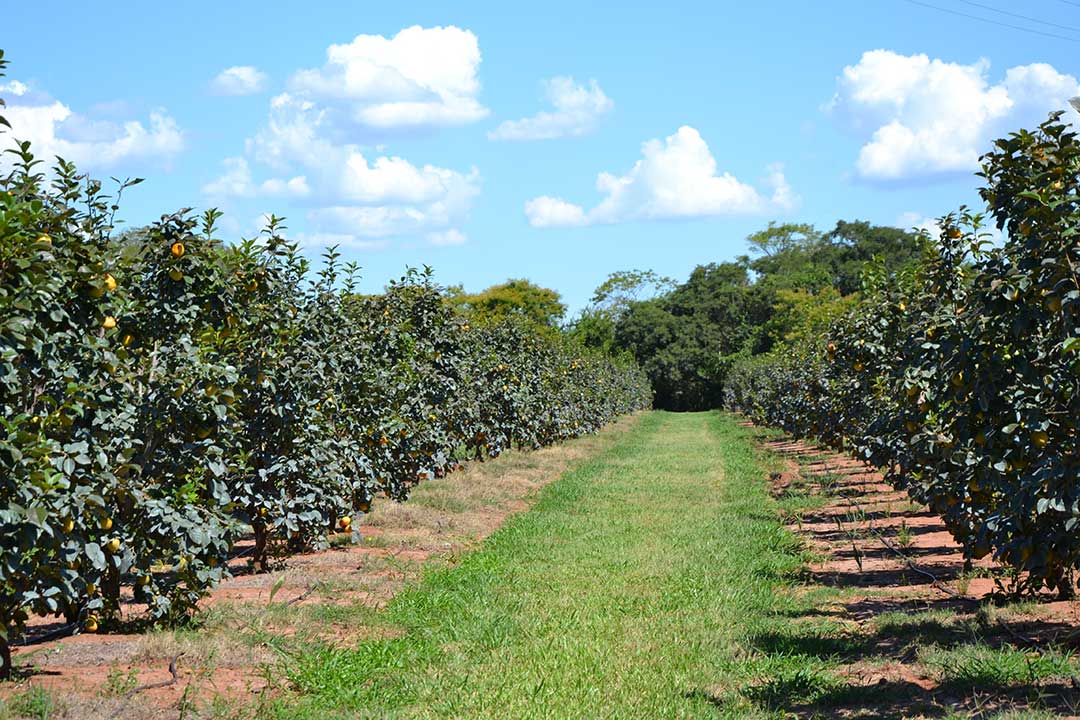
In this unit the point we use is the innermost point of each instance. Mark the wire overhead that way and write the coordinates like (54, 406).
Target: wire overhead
(1021, 17)
(993, 22)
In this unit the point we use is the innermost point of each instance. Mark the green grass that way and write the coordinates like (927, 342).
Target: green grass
(654, 580)
(33, 704)
(626, 592)
(977, 665)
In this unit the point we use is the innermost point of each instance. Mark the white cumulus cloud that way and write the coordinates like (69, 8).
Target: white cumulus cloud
(311, 148)
(376, 221)
(346, 191)
(547, 211)
(91, 143)
(577, 110)
(675, 178)
(921, 118)
(344, 240)
(14, 87)
(238, 80)
(236, 181)
(447, 238)
(419, 77)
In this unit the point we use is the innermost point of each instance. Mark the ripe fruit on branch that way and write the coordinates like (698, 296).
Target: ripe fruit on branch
(108, 284)
(177, 249)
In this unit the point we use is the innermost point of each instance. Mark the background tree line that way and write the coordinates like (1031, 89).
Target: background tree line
(687, 335)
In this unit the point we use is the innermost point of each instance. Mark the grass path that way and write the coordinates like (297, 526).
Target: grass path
(621, 594)
(655, 580)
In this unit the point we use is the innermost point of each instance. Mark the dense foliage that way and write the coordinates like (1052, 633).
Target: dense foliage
(518, 298)
(688, 336)
(961, 379)
(164, 394)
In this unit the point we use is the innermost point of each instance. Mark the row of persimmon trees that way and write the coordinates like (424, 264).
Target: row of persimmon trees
(960, 378)
(164, 395)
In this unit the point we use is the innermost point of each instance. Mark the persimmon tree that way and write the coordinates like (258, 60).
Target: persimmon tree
(961, 379)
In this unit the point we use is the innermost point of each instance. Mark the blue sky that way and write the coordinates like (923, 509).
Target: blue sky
(558, 142)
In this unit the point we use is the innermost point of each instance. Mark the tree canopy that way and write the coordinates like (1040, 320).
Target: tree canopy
(795, 279)
(687, 335)
(514, 298)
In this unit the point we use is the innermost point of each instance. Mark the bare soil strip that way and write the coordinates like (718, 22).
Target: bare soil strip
(893, 558)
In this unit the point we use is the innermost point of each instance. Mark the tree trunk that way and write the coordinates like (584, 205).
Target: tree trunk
(258, 558)
(72, 612)
(110, 594)
(5, 659)
(1067, 586)
(296, 544)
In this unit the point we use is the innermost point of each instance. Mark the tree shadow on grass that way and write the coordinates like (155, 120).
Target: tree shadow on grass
(884, 578)
(871, 607)
(890, 642)
(831, 533)
(916, 626)
(878, 679)
(892, 699)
